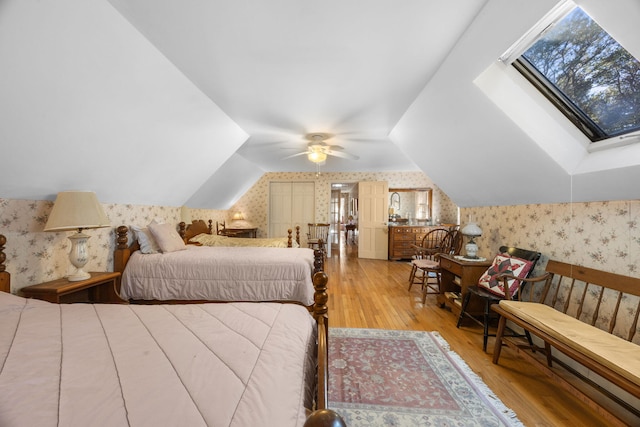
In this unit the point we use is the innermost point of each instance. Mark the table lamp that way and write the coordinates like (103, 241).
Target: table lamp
(472, 231)
(77, 210)
(238, 221)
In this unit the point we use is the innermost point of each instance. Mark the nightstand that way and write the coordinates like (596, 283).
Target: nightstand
(100, 287)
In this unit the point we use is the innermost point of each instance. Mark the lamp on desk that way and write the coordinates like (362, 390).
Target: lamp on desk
(471, 230)
(77, 210)
(238, 221)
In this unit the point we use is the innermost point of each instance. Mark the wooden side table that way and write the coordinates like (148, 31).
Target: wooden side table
(100, 287)
(455, 276)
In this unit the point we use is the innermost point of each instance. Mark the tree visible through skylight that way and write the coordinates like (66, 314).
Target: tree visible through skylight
(588, 75)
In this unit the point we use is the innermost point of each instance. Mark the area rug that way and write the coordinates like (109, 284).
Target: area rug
(407, 378)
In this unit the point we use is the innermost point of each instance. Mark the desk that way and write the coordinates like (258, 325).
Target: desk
(455, 276)
(240, 232)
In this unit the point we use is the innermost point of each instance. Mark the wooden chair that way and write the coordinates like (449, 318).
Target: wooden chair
(426, 260)
(316, 234)
(487, 298)
(220, 226)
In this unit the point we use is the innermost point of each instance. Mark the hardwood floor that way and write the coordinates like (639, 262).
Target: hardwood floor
(367, 293)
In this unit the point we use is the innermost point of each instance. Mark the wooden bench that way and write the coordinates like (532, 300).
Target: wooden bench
(590, 316)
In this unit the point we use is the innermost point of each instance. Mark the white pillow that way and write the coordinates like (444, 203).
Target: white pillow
(167, 237)
(148, 244)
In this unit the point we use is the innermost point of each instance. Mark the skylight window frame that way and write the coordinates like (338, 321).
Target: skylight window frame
(598, 138)
(561, 101)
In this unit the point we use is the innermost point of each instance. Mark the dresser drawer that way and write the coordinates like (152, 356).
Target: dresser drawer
(399, 231)
(454, 267)
(403, 245)
(403, 237)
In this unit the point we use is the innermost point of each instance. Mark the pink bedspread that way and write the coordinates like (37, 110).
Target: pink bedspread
(221, 274)
(235, 364)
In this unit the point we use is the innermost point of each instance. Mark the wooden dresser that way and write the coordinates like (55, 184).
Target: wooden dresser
(401, 237)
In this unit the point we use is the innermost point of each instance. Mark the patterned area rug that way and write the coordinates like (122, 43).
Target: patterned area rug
(407, 378)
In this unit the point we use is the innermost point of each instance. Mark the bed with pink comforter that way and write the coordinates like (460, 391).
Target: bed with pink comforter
(221, 274)
(234, 364)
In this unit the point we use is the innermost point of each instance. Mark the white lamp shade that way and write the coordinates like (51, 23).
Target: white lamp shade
(471, 229)
(74, 210)
(238, 216)
(185, 215)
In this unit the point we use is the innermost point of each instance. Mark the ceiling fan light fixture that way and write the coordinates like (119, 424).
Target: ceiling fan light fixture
(317, 156)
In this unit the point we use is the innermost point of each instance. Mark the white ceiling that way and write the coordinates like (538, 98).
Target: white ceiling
(191, 101)
(282, 69)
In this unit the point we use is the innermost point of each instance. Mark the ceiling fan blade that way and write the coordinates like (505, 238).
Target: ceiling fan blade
(342, 154)
(296, 155)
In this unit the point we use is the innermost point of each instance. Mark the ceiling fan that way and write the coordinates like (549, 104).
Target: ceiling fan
(318, 150)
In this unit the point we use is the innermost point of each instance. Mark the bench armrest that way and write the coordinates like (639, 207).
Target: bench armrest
(546, 278)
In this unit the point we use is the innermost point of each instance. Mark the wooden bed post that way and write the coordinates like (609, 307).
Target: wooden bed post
(318, 257)
(322, 416)
(182, 229)
(320, 312)
(5, 282)
(122, 252)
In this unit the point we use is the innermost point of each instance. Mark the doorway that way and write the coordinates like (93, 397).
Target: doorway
(343, 214)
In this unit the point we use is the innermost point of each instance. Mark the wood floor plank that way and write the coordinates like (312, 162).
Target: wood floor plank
(373, 294)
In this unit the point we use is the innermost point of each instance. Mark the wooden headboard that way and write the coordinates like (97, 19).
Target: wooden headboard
(5, 277)
(198, 226)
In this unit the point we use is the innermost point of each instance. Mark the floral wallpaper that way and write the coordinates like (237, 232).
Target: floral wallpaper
(600, 235)
(255, 203)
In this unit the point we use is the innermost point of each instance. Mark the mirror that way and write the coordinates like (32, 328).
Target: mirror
(410, 206)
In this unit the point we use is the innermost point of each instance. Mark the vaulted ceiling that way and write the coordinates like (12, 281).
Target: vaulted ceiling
(191, 101)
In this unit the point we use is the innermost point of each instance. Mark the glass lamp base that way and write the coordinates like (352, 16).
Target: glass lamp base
(472, 250)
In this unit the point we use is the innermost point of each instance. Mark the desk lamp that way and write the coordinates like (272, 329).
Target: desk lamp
(471, 230)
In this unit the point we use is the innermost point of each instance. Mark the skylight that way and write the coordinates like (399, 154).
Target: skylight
(586, 74)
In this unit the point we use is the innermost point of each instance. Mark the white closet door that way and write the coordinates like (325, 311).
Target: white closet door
(280, 212)
(291, 204)
(303, 203)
